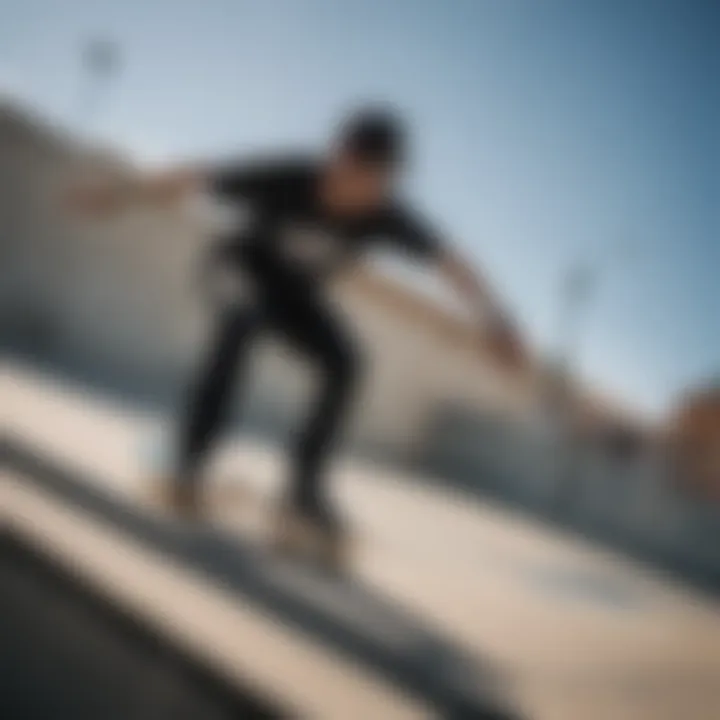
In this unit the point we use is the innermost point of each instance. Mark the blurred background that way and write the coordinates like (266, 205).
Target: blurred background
(571, 149)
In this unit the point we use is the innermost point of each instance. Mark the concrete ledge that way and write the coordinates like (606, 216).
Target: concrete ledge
(237, 645)
(69, 651)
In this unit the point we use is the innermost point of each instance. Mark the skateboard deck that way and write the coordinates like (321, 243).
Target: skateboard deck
(243, 508)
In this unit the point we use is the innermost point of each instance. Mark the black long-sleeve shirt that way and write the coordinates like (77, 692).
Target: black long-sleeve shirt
(289, 227)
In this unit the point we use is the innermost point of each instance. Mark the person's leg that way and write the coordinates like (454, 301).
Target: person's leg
(212, 393)
(318, 334)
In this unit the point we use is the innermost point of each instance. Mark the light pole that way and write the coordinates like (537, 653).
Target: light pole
(579, 287)
(101, 65)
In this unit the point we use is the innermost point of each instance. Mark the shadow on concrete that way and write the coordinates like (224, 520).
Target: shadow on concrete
(346, 616)
(67, 652)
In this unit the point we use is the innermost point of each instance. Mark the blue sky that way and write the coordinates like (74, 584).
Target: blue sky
(547, 131)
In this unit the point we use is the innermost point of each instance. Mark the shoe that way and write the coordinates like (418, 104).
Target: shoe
(182, 499)
(299, 533)
(334, 551)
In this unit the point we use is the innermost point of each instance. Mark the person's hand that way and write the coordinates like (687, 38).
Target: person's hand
(94, 200)
(505, 344)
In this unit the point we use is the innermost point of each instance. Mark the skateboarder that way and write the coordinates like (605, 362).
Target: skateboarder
(309, 218)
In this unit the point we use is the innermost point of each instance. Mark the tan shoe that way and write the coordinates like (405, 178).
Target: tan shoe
(179, 498)
(290, 533)
(296, 535)
(333, 551)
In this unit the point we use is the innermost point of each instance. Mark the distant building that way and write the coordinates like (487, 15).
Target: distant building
(695, 429)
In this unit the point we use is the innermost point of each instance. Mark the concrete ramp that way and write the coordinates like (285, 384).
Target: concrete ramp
(222, 600)
(458, 609)
(69, 652)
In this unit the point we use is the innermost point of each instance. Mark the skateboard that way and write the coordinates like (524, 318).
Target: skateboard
(257, 518)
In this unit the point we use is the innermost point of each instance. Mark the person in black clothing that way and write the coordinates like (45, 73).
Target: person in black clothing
(309, 218)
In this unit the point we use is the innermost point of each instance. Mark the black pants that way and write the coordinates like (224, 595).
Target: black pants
(308, 324)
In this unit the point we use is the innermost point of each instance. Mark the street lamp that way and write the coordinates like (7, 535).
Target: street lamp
(578, 288)
(577, 285)
(101, 64)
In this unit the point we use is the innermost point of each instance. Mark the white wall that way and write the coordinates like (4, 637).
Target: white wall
(121, 292)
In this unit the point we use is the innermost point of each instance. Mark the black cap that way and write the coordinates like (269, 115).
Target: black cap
(375, 135)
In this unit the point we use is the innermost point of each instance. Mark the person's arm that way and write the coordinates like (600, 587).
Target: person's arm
(173, 186)
(497, 329)
(106, 196)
